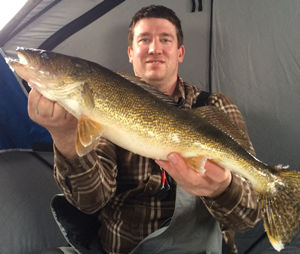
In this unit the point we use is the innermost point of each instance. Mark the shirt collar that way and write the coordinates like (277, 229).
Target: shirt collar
(179, 92)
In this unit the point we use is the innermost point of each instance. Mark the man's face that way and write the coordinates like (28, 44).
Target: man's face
(154, 53)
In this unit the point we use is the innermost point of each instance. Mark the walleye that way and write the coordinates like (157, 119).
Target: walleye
(140, 119)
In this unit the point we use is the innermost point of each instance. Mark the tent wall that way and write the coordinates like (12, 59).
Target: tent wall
(256, 62)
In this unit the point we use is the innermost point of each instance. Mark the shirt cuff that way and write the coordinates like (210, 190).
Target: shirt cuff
(73, 167)
(229, 199)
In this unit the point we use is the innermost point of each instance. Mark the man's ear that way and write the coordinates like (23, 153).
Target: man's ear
(129, 51)
(181, 53)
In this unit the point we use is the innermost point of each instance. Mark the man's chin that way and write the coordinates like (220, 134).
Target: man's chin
(154, 77)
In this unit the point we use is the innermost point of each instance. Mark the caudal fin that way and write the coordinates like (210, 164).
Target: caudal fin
(281, 209)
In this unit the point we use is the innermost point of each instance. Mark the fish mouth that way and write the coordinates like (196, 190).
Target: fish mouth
(23, 59)
(24, 66)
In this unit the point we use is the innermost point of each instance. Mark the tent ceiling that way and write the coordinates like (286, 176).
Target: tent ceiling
(39, 20)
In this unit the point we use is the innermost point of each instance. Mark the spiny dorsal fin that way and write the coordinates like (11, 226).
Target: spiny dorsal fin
(218, 118)
(138, 81)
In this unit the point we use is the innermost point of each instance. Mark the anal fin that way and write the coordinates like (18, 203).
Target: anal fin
(196, 163)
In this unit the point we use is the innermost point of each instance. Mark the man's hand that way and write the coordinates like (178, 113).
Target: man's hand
(210, 184)
(61, 124)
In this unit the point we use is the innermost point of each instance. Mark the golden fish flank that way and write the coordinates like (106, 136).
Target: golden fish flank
(139, 118)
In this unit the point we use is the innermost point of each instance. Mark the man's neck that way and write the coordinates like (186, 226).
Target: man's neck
(170, 90)
(166, 88)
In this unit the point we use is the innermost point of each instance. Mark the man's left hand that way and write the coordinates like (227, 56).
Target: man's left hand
(211, 184)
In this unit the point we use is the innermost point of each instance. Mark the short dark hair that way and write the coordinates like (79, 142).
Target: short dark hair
(156, 11)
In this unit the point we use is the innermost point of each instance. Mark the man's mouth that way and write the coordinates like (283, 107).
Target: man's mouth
(154, 61)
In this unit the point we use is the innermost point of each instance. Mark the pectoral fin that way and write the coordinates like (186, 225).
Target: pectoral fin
(88, 134)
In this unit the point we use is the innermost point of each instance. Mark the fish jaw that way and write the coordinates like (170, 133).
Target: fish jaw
(21, 67)
(36, 68)
(40, 68)
(26, 66)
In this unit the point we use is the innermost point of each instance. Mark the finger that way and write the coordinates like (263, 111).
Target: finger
(180, 172)
(215, 172)
(33, 100)
(45, 107)
(59, 112)
(38, 105)
(169, 165)
(62, 115)
(179, 164)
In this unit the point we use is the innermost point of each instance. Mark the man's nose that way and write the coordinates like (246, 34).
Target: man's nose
(155, 47)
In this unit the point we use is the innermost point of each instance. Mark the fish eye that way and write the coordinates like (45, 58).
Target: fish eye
(44, 56)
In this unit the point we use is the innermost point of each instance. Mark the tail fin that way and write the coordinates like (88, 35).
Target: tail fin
(281, 209)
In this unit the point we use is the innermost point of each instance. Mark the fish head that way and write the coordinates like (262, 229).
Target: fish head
(48, 70)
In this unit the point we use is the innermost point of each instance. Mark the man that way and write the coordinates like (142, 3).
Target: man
(126, 188)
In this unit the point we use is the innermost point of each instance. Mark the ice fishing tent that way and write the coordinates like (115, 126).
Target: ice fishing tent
(247, 49)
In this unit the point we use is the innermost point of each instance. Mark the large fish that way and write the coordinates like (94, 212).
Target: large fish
(131, 115)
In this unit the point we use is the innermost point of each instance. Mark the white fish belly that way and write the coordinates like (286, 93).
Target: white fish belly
(136, 144)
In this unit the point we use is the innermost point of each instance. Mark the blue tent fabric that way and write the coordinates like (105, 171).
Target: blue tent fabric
(17, 130)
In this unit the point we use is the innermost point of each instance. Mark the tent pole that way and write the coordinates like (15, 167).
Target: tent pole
(210, 48)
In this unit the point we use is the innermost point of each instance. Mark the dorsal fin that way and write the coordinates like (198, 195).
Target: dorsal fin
(218, 118)
(138, 81)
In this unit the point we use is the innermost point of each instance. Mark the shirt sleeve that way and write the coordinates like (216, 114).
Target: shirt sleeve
(88, 182)
(237, 208)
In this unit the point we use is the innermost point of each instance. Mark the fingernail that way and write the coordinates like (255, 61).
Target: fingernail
(172, 158)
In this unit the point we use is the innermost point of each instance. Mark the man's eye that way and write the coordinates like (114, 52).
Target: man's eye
(165, 40)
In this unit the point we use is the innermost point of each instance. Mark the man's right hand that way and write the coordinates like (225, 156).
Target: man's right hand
(60, 123)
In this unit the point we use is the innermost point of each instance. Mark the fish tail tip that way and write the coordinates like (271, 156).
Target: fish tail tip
(277, 245)
(281, 209)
